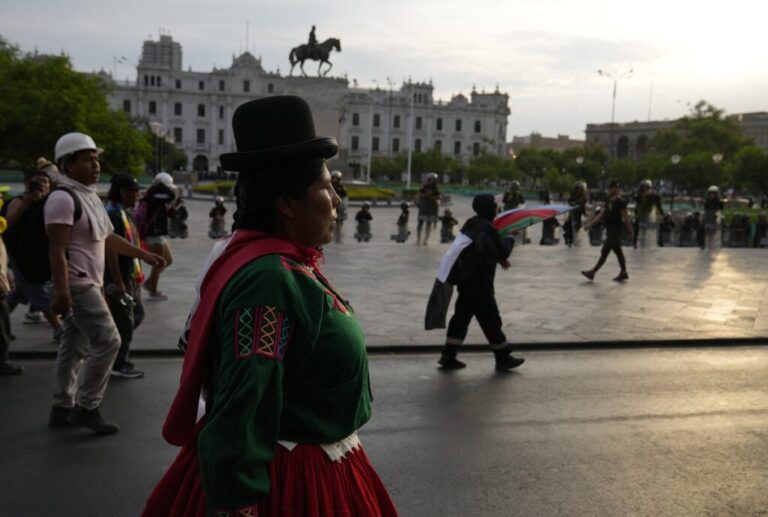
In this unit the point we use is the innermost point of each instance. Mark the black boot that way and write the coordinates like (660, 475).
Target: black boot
(448, 359)
(505, 360)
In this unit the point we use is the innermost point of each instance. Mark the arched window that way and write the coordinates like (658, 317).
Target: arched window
(622, 148)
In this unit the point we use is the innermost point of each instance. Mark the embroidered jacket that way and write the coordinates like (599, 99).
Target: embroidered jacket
(288, 362)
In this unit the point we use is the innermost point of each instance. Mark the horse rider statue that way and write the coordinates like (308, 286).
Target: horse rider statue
(314, 51)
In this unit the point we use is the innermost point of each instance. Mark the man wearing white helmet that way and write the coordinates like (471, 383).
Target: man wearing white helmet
(159, 209)
(648, 210)
(341, 210)
(77, 252)
(713, 204)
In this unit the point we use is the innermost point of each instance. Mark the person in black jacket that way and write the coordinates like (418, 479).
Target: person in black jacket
(473, 274)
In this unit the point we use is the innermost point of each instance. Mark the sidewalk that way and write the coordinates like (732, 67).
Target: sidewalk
(672, 294)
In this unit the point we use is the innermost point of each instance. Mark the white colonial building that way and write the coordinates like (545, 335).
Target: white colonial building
(195, 110)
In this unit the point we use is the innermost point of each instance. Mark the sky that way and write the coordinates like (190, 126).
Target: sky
(545, 54)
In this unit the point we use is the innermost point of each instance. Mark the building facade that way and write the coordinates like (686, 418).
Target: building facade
(631, 140)
(195, 110)
(537, 141)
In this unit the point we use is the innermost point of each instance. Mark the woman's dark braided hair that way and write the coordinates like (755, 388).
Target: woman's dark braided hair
(258, 188)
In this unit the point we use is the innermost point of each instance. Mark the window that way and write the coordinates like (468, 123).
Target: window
(151, 80)
(201, 85)
(178, 84)
(418, 122)
(477, 126)
(221, 137)
(146, 80)
(438, 145)
(177, 135)
(457, 148)
(375, 143)
(439, 124)
(221, 86)
(221, 111)
(201, 110)
(127, 106)
(355, 143)
(246, 86)
(152, 108)
(376, 120)
(270, 88)
(159, 81)
(476, 149)
(201, 136)
(417, 145)
(396, 145)
(355, 119)
(458, 124)
(396, 122)
(177, 109)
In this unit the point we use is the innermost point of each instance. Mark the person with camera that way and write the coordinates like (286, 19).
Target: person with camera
(123, 275)
(29, 291)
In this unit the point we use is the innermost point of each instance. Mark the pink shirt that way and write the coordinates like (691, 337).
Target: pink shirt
(85, 256)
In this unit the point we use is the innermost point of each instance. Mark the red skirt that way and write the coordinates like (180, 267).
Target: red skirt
(304, 482)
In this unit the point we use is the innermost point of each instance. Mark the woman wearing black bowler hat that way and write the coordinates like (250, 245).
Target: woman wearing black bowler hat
(273, 352)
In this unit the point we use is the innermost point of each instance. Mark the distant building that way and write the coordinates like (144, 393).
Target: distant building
(195, 109)
(631, 139)
(536, 141)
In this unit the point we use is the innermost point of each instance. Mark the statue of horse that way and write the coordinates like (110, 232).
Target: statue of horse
(320, 52)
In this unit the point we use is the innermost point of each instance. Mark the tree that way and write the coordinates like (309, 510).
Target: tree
(488, 166)
(558, 182)
(750, 170)
(42, 97)
(697, 138)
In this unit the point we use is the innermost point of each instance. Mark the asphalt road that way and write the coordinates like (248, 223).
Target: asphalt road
(657, 432)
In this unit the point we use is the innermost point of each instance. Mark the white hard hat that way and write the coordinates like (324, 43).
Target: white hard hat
(73, 142)
(164, 178)
(516, 184)
(432, 175)
(335, 174)
(219, 199)
(713, 188)
(646, 183)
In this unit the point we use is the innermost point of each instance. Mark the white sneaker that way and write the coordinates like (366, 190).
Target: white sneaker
(34, 317)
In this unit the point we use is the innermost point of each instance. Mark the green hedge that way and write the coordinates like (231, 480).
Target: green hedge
(222, 188)
(366, 193)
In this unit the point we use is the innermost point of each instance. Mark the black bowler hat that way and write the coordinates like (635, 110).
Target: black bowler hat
(125, 181)
(274, 129)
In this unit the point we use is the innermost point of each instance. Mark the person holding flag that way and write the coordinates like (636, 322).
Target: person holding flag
(470, 265)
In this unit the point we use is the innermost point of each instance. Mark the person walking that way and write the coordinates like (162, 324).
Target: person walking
(473, 274)
(159, 199)
(217, 214)
(6, 285)
(90, 341)
(429, 205)
(278, 436)
(612, 216)
(123, 275)
(31, 287)
(712, 207)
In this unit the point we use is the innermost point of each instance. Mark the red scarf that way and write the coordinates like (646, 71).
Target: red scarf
(245, 247)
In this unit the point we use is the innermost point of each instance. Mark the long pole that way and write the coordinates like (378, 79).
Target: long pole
(370, 141)
(410, 140)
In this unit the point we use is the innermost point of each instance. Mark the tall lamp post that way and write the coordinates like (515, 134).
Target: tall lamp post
(615, 78)
(675, 159)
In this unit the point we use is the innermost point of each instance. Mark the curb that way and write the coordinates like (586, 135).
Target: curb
(474, 348)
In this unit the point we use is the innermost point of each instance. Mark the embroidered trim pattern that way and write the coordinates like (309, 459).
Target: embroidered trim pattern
(290, 265)
(262, 331)
(244, 333)
(247, 511)
(223, 513)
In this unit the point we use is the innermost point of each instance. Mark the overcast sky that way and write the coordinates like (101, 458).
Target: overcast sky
(544, 53)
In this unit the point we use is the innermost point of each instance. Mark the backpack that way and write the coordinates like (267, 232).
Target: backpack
(27, 241)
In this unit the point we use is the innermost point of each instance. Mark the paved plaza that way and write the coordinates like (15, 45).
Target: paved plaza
(672, 294)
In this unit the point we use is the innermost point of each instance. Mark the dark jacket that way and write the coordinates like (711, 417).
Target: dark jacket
(159, 206)
(475, 269)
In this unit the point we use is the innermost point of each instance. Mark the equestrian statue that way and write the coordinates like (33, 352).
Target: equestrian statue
(314, 51)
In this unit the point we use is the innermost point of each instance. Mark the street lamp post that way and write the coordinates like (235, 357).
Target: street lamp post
(615, 78)
(675, 159)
